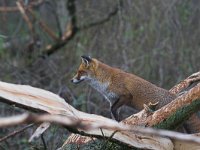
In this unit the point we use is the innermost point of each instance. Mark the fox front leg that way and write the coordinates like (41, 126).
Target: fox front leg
(114, 112)
(116, 105)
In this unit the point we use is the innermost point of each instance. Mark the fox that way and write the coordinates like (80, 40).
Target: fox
(120, 87)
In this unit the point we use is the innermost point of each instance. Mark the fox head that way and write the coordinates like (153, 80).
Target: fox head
(86, 70)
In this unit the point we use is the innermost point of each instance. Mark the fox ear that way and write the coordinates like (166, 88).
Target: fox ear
(86, 60)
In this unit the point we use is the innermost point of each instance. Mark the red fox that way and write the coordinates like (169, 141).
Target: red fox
(119, 87)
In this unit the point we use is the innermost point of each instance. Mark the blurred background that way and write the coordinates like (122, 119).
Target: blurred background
(41, 42)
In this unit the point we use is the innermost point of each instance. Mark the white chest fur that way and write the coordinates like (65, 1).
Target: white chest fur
(103, 89)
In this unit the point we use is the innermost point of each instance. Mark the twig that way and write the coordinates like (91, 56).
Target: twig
(68, 33)
(51, 48)
(24, 15)
(32, 118)
(44, 26)
(71, 7)
(56, 17)
(108, 139)
(39, 131)
(15, 132)
(70, 122)
(43, 141)
(13, 9)
(102, 132)
(3, 36)
(100, 22)
(72, 28)
(2, 148)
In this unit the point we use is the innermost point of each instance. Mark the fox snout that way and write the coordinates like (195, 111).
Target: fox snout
(76, 79)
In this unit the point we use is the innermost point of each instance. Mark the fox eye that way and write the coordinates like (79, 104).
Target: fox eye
(81, 72)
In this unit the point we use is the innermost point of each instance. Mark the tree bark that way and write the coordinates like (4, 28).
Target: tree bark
(109, 133)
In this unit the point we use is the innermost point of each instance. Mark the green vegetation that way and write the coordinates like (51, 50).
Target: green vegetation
(157, 40)
(183, 114)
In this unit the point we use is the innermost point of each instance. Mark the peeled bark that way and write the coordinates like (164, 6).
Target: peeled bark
(110, 132)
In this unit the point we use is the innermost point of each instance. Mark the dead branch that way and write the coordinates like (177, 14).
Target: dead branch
(39, 131)
(43, 141)
(90, 124)
(192, 93)
(53, 104)
(85, 126)
(25, 16)
(15, 132)
(101, 21)
(68, 32)
(185, 84)
(15, 9)
(44, 26)
(72, 28)
(176, 104)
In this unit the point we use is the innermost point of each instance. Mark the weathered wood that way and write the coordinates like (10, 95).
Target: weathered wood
(103, 128)
(53, 104)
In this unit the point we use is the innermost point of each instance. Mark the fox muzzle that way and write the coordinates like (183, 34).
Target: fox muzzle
(76, 81)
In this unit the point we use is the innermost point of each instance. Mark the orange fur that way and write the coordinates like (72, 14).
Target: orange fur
(122, 88)
(119, 87)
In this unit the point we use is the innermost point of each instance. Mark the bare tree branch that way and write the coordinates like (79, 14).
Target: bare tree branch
(90, 124)
(81, 125)
(53, 104)
(193, 93)
(43, 141)
(101, 21)
(172, 107)
(14, 9)
(25, 16)
(39, 131)
(15, 132)
(71, 26)
(185, 84)
(44, 26)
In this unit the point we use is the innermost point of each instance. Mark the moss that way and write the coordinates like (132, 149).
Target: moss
(179, 116)
(98, 145)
